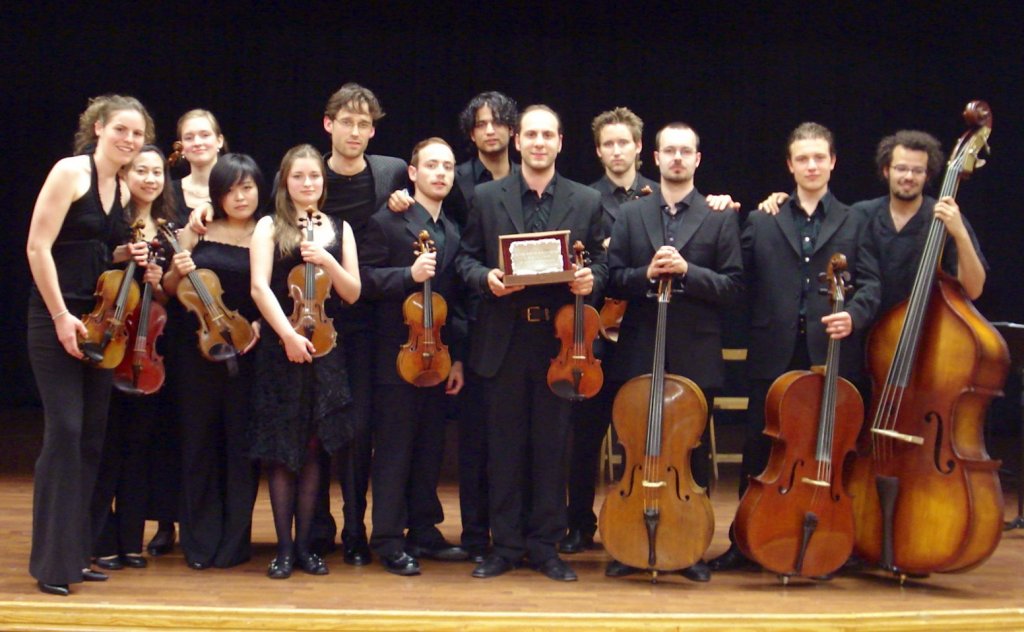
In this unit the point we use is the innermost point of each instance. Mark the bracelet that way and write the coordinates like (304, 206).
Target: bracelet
(59, 314)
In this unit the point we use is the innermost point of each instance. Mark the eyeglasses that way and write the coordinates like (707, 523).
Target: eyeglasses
(904, 170)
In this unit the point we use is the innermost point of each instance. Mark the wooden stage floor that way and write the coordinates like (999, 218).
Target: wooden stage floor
(168, 595)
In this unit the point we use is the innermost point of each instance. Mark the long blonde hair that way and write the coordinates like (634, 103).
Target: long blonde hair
(286, 231)
(100, 109)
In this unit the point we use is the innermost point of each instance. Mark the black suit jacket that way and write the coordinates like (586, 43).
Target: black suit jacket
(498, 210)
(610, 205)
(459, 200)
(385, 259)
(772, 258)
(710, 244)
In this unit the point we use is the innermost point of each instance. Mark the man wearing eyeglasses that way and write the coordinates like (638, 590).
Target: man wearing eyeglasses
(674, 232)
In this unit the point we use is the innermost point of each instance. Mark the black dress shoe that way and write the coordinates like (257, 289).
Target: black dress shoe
(555, 568)
(61, 590)
(477, 554)
(312, 563)
(443, 551)
(358, 553)
(162, 543)
(616, 568)
(576, 541)
(731, 560)
(90, 575)
(134, 560)
(699, 572)
(493, 566)
(280, 567)
(109, 563)
(400, 563)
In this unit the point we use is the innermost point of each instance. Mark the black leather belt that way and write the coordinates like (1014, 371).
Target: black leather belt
(535, 314)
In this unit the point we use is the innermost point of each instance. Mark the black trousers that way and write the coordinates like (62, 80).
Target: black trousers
(408, 447)
(473, 502)
(528, 430)
(122, 486)
(219, 481)
(75, 399)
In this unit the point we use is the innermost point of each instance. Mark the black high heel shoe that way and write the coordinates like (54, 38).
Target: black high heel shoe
(61, 590)
(312, 563)
(281, 567)
(162, 542)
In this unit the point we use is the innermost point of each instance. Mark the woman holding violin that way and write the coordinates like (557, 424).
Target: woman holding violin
(219, 481)
(124, 470)
(407, 257)
(301, 393)
(67, 251)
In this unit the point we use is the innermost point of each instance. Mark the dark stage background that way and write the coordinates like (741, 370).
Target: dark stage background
(742, 74)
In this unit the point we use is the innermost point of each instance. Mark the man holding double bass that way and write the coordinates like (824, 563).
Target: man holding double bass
(674, 233)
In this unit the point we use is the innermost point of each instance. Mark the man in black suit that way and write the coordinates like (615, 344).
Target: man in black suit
(791, 321)
(357, 185)
(489, 122)
(408, 422)
(674, 233)
(512, 344)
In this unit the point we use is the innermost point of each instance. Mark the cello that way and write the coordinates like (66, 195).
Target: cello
(310, 287)
(141, 372)
(926, 494)
(796, 518)
(424, 360)
(117, 294)
(658, 518)
(222, 333)
(575, 374)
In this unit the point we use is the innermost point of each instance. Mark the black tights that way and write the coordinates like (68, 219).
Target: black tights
(284, 486)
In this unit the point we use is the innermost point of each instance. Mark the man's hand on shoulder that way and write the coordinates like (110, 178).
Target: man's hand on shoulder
(722, 202)
(400, 201)
(773, 203)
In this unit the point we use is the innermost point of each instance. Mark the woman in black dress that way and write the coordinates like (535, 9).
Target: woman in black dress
(300, 402)
(219, 480)
(67, 252)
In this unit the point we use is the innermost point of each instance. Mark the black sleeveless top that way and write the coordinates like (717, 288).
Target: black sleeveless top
(231, 264)
(82, 251)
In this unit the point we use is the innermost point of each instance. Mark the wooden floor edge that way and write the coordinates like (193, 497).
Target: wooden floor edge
(18, 616)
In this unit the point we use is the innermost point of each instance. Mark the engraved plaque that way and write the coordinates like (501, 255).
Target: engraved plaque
(536, 258)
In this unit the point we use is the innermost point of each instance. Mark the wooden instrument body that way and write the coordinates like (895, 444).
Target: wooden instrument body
(141, 372)
(949, 509)
(575, 374)
(424, 360)
(222, 332)
(116, 294)
(612, 312)
(309, 317)
(687, 522)
(770, 521)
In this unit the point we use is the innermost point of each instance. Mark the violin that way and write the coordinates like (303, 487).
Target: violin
(117, 294)
(612, 312)
(310, 286)
(575, 374)
(424, 360)
(796, 518)
(658, 518)
(926, 494)
(141, 372)
(222, 333)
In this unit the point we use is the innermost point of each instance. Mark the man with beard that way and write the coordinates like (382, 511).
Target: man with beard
(674, 233)
(512, 344)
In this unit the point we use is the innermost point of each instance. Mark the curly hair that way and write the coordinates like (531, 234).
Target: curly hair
(503, 108)
(100, 109)
(913, 140)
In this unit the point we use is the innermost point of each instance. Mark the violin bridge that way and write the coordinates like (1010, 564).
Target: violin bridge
(899, 436)
(653, 483)
(815, 482)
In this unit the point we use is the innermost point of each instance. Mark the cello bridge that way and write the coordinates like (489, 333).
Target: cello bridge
(653, 483)
(815, 482)
(899, 436)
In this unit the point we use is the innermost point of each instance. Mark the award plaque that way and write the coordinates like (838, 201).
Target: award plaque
(536, 258)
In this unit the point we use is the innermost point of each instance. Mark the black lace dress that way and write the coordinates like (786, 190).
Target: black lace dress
(295, 403)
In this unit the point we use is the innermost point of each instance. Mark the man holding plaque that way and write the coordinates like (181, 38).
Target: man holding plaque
(513, 339)
(674, 233)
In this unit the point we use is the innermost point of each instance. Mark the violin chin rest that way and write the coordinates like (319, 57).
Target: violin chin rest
(92, 351)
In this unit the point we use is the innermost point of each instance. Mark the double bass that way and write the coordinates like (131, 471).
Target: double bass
(310, 286)
(926, 494)
(424, 360)
(575, 374)
(658, 518)
(117, 294)
(796, 518)
(141, 372)
(222, 333)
